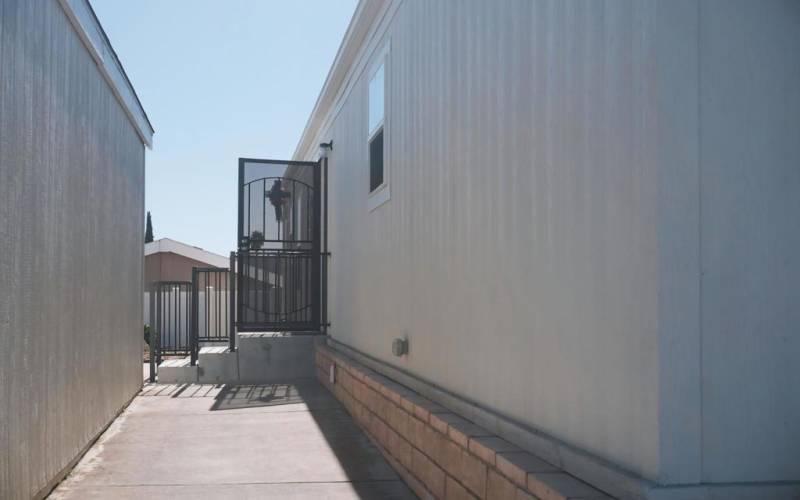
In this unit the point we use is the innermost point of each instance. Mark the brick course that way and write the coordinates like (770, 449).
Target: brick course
(438, 453)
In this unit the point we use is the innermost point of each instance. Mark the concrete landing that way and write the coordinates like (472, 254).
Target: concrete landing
(261, 358)
(274, 357)
(283, 441)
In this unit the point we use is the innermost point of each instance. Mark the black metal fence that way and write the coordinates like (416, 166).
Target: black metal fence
(277, 290)
(185, 314)
(279, 246)
(171, 316)
(213, 317)
(170, 307)
(277, 280)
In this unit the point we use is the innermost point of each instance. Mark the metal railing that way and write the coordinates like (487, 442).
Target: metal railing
(170, 321)
(185, 314)
(213, 293)
(277, 290)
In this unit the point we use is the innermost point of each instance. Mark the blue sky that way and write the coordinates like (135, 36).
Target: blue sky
(219, 81)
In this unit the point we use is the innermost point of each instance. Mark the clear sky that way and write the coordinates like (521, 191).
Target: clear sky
(219, 80)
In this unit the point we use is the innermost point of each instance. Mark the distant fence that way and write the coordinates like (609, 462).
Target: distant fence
(169, 314)
(184, 314)
(212, 301)
(213, 318)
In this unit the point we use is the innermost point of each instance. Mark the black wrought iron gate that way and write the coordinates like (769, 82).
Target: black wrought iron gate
(276, 281)
(279, 254)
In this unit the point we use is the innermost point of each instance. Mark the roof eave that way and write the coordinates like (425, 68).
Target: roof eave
(87, 26)
(367, 11)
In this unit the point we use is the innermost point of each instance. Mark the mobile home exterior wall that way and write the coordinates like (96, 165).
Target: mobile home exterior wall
(71, 258)
(592, 221)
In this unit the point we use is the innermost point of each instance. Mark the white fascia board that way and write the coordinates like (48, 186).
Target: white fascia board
(365, 15)
(188, 251)
(86, 25)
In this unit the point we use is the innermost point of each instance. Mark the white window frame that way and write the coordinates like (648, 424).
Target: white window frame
(380, 194)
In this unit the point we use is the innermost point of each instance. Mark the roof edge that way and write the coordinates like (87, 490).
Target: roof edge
(85, 23)
(168, 245)
(367, 11)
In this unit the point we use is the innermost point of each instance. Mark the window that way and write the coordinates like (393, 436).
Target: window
(376, 161)
(376, 100)
(376, 116)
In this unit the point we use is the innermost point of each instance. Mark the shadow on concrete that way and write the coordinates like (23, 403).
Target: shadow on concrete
(236, 397)
(185, 390)
(370, 474)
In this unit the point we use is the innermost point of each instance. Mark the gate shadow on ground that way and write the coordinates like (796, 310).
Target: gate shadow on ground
(368, 473)
(237, 397)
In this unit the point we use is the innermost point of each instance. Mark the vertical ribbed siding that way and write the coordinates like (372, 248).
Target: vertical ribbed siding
(519, 246)
(593, 215)
(71, 208)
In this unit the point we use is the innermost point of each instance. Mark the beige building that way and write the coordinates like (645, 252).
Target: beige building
(170, 260)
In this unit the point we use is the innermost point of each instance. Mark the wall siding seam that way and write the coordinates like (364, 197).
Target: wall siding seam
(700, 234)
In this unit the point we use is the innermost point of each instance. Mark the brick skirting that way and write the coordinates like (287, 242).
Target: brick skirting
(439, 454)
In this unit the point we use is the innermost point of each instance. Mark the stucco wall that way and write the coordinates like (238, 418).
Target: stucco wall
(71, 259)
(560, 182)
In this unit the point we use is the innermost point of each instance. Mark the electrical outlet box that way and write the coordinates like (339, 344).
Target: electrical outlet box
(400, 347)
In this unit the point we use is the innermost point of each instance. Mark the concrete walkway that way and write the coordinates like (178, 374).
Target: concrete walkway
(200, 441)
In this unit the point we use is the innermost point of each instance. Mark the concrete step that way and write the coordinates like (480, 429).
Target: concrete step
(177, 371)
(275, 357)
(217, 365)
(261, 358)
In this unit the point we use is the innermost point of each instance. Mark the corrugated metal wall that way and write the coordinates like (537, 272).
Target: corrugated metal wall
(71, 259)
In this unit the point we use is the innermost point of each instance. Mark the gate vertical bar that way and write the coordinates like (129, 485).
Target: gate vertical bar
(194, 320)
(232, 303)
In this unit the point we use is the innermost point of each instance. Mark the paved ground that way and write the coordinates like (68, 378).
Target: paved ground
(291, 441)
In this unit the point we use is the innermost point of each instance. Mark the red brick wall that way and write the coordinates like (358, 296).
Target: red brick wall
(439, 454)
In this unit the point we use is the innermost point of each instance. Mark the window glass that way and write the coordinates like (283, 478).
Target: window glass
(376, 161)
(376, 100)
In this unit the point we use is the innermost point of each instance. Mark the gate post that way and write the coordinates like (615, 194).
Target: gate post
(232, 303)
(157, 293)
(325, 254)
(153, 334)
(316, 250)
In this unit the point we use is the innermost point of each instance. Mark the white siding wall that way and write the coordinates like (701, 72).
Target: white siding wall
(71, 260)
(750, 184)
(541, 247)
